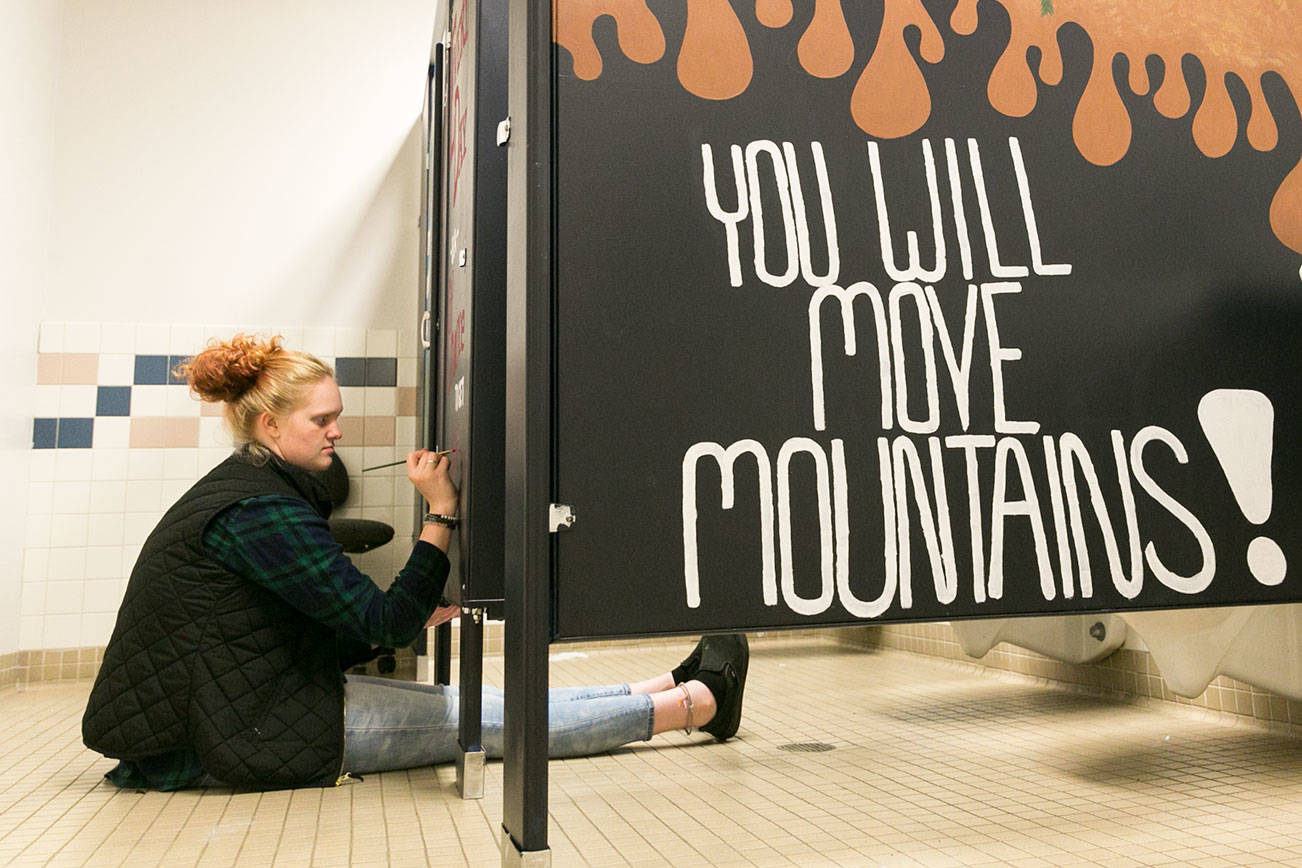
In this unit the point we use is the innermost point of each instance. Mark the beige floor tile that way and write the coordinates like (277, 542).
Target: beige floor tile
(932, 763)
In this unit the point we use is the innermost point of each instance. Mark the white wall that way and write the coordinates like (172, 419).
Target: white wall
(239, 161)
(171, 170)
(28, 55)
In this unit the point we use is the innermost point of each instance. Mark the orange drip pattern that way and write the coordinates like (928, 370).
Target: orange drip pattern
(1246, 39)
(773, 13)
(827, 49)
(891, 97)
(715, 61)
(640, 36)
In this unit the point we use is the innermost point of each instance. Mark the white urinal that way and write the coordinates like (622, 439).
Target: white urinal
(1259, 645)
(1069, 638)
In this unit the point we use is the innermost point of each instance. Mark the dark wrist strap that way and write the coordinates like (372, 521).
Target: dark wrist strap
(446, 520)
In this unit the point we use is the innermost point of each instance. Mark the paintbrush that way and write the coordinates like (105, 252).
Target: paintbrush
(404, 460)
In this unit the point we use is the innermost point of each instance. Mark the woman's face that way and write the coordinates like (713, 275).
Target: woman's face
(305, 438)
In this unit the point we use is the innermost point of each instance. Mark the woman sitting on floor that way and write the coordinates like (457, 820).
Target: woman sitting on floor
(225, 667)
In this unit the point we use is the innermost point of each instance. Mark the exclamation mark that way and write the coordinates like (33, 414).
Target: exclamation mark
(1240, 426)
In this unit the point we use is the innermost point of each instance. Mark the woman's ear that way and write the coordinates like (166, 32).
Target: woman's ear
(268, 425)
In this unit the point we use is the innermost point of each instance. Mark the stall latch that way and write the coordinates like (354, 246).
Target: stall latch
(560, 516)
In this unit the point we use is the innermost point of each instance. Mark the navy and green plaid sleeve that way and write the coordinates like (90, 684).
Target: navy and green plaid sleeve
(284, 545)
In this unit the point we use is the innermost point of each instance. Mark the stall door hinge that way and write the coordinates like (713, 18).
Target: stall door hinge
(560, 516)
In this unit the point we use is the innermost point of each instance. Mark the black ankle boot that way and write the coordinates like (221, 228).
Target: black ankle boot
(691, 664)
(727, 658)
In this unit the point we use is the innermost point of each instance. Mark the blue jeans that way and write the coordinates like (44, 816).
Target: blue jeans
(390, 725)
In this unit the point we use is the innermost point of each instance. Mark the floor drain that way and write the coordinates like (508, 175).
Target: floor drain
(806, 747)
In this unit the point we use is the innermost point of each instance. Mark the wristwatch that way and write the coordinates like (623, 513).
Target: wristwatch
(446, 520)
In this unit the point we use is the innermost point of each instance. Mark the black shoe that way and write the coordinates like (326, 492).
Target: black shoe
(728, 657)
(691, 664)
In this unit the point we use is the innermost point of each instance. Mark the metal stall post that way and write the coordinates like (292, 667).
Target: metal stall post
(527, 541)
(470, 758)
(443, 654)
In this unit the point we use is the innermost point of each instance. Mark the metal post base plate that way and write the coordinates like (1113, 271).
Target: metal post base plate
(470, 774)
(514, 858)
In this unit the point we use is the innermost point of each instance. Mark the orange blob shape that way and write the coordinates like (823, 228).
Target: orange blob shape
(891, 97)
(1262, 133)
(826, 50)
(1101, 127)
(640, 36)
(773, 13)
(1172, 98)
(715, 60)
(1012, 90)
(1286, 210)
(1215, 126)
(964, 18)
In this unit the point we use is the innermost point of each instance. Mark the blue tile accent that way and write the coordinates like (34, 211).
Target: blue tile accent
(382, 371)
(172, 362)
(350, 371)
(76, 433)
(43, 433)
(150, 371)
(113, 401)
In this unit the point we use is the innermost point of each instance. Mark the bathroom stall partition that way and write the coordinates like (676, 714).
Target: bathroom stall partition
(840, 314)
(429, 290)
(467, 396)
(465, 206)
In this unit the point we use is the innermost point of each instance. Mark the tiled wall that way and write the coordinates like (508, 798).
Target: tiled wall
(1125, 672)
(117, 439)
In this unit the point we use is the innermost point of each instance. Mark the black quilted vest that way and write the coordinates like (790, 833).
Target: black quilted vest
(201, 658)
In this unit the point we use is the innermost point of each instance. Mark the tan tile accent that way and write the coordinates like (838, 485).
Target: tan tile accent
(148, 432)
(406, 401)
(9, 668)
(212, 408)
(21, 668)
(353, 428)
(72, 369)
(49, 369)
(81, 369)
(183, 432)
(164, 432)
(378, 431)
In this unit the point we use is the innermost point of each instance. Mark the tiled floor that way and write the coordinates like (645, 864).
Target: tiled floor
(929, 763)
